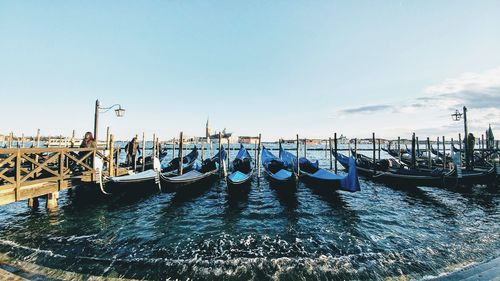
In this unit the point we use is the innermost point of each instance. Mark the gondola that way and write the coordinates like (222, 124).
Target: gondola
(241, 170)
(319, 178)
(138, 181)
(278, 172)
(390, 171)
(187, 163)
(206, 171)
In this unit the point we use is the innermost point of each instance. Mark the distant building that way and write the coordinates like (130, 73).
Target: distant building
(247, 139)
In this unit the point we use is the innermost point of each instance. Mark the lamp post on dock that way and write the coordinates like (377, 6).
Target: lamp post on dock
(457, 116)
(119, 111)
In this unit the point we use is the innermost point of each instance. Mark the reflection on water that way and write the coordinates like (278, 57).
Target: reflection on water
(261, 233)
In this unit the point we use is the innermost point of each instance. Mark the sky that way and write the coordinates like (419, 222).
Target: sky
(278, 68)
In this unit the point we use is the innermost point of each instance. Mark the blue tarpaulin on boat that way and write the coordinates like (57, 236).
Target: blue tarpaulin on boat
(289, 159)
(237, 176)
(283, 174)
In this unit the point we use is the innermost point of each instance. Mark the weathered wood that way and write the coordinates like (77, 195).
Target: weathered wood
(297, 160)
(429, 158)
(374, 159)
(335, 149)
(220, 158)
(181, 151)
(111, 155)
(143, 154)
(444, 153)
(258, 156)
(228, 153)
(399, 149)
(331, 156)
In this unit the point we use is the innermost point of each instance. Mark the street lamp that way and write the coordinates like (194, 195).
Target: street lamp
(120, 112)
(456, 117)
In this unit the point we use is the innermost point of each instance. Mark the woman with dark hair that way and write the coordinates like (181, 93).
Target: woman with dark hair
(88, 141)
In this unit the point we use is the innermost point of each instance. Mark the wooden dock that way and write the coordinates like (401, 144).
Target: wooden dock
(28, 173)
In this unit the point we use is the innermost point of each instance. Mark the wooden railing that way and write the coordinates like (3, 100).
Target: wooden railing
(28, 172)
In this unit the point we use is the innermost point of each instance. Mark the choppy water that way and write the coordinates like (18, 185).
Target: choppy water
(378, 233)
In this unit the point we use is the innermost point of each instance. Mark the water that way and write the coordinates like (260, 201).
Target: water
(379, 233)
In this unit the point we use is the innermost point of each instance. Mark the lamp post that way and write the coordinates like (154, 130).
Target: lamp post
(456, 117)
(119, 111)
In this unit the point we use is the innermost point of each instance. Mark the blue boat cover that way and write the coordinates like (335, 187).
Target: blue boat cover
(267, 157)
(289, 159)
(351, 181)
(243, 154)
(237, 176)
(283, 174)
(222, 154)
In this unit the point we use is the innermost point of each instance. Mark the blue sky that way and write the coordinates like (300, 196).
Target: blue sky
(271, 67)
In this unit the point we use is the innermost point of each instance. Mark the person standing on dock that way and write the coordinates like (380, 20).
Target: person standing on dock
(88, 141)
(131, 148)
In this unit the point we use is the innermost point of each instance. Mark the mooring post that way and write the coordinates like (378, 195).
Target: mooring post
(111, 155)
(143, 151)
(228, 152)
(37, 138)
(438, 147)
(220, 155)
(22, 140)
(356, 147)
(305, 148)
(173, 148)
(399, 149)
(181, 156)
(413, 152)
(298, 148)
(418, 146)
(107, 137)
(330, 150)
(379, 149)
(202, 151)
(255, 156)
(429, 153)
(73, 138)
(444, 153)
(335, 149)
(374, 157)
(259, 156)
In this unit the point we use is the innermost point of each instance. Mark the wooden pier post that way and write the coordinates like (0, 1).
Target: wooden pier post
(228, 152)
(330, 150)
(33, 203)
(37, 138)
(258, 156)
(438, 147)
(399, 149)
(356, 147)
(374, 158)
(202, 151)
(220, 158)
(379, 149)
(429, 158)
(444, 153)
(107, 137)
(181, 156)
(298, 148)
(255, 156)
(335, 149)
(305, 148)
(417, 146)
(143, 151)
(173, 148)
(111, 155)
(413, 152)
(52, 200)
